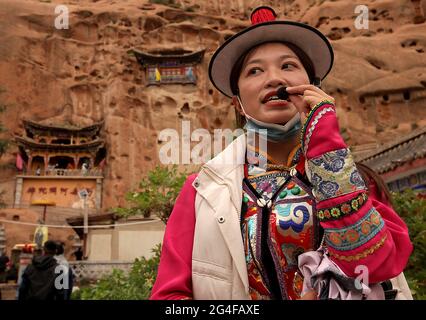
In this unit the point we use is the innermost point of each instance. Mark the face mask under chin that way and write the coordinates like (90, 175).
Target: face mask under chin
(275, 132)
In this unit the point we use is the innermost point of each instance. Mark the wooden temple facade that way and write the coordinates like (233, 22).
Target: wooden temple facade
(59, 148)
(170, 66)
(58, 164)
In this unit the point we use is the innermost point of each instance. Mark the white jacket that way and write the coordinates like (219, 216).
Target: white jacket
(219, 269)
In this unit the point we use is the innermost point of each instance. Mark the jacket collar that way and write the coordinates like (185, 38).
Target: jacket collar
(227, 168)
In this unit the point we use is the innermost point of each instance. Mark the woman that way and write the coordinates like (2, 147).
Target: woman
(239, 228)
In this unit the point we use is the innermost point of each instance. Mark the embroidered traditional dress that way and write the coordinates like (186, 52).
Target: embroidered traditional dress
(275, 235)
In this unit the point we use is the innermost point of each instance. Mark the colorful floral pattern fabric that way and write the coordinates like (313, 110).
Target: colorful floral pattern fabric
(355, 235)
(344, 209)
(334, 174)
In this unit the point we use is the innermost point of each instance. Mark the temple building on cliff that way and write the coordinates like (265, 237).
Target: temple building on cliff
(170, 66)
(60, 183)
(58, 164)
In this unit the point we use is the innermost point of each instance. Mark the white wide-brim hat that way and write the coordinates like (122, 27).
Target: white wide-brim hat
(266, 29)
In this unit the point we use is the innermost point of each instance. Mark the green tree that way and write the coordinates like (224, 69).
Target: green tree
(135, 285)
(412, 209)
(156, 194)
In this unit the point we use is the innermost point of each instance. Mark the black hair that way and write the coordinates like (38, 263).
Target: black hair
(60, 248)
(50, 247)
(371, 177)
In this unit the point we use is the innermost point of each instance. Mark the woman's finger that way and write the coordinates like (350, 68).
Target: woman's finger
(299, 103)
(313, 93)
(316, 89)
(321, 93)
(299, 89)
(311, 100)
(313, 90)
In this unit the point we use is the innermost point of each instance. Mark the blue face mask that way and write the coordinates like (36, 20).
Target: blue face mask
(274, 132)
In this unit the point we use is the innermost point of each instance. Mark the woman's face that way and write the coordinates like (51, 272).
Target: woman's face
(265, 69)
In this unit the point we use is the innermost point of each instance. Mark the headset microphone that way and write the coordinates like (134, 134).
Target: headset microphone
(282, 93)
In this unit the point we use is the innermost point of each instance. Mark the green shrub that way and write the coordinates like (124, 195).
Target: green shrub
(412, 210)
(135, 285)
(156, 194)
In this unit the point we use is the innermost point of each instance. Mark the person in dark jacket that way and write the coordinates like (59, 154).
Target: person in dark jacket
(38, 280)
(4, 260)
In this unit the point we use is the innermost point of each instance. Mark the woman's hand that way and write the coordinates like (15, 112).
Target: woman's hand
(305, 97)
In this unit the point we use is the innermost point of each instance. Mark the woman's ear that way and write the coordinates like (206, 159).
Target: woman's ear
(237, 105)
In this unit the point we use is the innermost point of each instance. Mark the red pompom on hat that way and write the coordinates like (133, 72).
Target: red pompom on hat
(264, 29)
(262, 14)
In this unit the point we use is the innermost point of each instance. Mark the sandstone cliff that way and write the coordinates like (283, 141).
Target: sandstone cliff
(85, 74)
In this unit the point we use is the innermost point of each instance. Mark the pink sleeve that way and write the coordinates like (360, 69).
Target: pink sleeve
(174, 280)
(360, 229)
(386, 253)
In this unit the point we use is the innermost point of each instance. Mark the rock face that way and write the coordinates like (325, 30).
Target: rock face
(85, 74)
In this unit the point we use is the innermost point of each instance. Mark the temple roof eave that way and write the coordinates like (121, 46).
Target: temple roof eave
(28, 124)
(397, 153)
(145, 58)
(29, 143)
